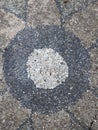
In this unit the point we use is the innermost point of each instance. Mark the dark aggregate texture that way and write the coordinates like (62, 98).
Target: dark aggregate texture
(24, 89)
(72, 32)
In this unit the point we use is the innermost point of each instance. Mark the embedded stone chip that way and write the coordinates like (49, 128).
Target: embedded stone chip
(46, 68)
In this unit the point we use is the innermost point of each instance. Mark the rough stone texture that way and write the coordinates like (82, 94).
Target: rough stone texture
(16, 7)
(86, 110)
(72, 52)
(2, 80)
(43, 12)
(69, 7)
(1, 66)
(9, 26)
(94, 69)
(85, 24)
(58, 121)
(73, 6)
(11, 113)
(46, 68)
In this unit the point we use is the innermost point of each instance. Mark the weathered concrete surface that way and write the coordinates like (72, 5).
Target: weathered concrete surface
(43, 12)
(17, 7)
(86, 110)
(81, 18)
(60, 120)
(11, 113)
(9, 26)
(85, 24)
(94, 69)
(2, 80)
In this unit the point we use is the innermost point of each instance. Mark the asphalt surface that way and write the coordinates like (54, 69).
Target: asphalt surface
(73, 104)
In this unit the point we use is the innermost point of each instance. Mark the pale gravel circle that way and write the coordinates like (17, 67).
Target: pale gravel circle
(46, 68)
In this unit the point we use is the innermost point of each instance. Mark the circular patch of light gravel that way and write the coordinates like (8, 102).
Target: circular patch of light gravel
(46, 68)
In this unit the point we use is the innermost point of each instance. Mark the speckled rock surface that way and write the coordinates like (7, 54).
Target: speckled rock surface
(11, 113)
(17, 7)
(86, 110)
(9, 26)
(43, 12)
(94, 69)
(68, 27)
(85, 24)
(60, 120)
